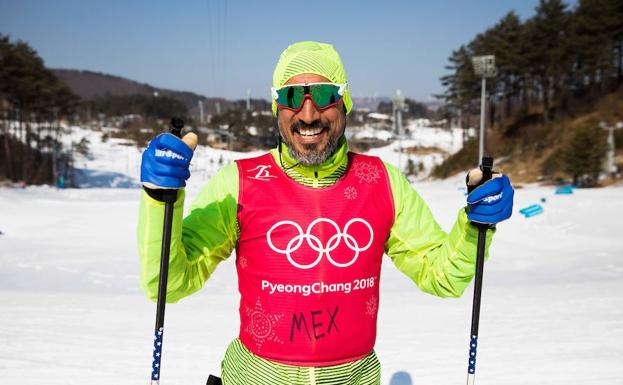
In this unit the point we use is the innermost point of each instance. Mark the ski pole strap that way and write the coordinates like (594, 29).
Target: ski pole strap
(155, 366)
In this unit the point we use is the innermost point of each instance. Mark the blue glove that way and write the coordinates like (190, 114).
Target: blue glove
(491, 202)
(165, 162)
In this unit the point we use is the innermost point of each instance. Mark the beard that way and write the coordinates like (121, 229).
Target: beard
(313, 155)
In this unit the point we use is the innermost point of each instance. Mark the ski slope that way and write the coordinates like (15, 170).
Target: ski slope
(71, 311)
(448, 141)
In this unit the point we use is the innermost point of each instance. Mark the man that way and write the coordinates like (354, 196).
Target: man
(310, 223)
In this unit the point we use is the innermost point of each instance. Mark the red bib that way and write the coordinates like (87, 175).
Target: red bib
(309, 261)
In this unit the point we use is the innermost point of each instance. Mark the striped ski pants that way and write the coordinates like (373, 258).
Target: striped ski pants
(241, 367)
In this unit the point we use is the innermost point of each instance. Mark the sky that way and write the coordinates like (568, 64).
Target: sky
(224, 48)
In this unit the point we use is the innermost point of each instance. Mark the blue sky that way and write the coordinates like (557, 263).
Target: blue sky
(223, 48)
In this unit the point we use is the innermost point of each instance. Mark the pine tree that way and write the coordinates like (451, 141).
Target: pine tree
(462, 85)
(548, 58)
(509, 50)
(583, 156)
(34, 94)
(593, 43)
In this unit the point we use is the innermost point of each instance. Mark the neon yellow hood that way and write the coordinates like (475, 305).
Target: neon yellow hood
(310, 57)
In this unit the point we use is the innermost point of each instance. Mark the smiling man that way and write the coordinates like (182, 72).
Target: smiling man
(311, 132)
(310, 222)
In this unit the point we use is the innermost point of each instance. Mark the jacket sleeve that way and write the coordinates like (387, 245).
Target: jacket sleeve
(439, 263)
(199, 242)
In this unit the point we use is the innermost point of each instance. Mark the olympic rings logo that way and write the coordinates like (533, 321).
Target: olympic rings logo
(316, 244)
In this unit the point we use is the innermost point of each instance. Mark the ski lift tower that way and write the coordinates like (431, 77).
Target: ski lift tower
(201, 111)
(398, 106)
(484, 66)
(611, 169)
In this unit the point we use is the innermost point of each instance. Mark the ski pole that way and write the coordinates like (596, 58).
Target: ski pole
(486, 167)
(169, 196)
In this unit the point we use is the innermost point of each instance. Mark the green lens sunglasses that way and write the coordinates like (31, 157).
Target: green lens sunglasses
(322, 95)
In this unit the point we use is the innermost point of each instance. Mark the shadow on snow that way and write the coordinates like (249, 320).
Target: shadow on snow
(86, 178)
(401, 378)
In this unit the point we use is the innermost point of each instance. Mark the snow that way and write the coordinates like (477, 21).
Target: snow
(421, 122)
(72, 311)
(433, 144)
(446, 141)
(379, 116)
(371, 133)
(116, 162)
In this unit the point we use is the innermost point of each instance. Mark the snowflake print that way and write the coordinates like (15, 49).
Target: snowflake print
(372, 305)
(367, 172)
(261, 325)
(350, 193)
(243, 262)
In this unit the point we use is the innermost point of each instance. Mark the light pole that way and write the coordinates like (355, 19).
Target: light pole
(610, 167)
(484, 66)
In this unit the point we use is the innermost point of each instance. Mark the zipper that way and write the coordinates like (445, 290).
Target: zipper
(315, 179)
(312, 376)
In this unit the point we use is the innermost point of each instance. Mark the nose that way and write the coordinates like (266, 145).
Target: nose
(308, 113)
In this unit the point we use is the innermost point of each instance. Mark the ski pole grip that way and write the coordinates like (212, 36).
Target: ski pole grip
(486, 166)
(177, 125)
(169, 196)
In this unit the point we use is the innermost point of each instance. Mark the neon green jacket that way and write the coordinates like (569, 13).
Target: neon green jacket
(439, 263)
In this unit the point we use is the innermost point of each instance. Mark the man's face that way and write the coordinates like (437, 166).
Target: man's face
(311, 135)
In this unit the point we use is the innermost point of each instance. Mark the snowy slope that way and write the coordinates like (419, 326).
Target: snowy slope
(114, 163)
(72, 311)
(449, 141)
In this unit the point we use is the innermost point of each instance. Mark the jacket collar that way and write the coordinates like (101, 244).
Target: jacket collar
(328, 168)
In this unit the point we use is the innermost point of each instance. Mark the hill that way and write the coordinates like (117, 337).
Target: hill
(90, 85)
(531, 150)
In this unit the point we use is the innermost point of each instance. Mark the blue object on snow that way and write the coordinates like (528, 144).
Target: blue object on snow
(565, 189)
(543, 199)
(531, 210)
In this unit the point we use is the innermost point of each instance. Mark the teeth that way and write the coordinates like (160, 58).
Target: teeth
(310, 132)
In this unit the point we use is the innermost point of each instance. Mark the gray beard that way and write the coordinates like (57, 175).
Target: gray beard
(313, 157)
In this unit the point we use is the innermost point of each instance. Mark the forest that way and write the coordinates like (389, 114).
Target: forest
(551, 68)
